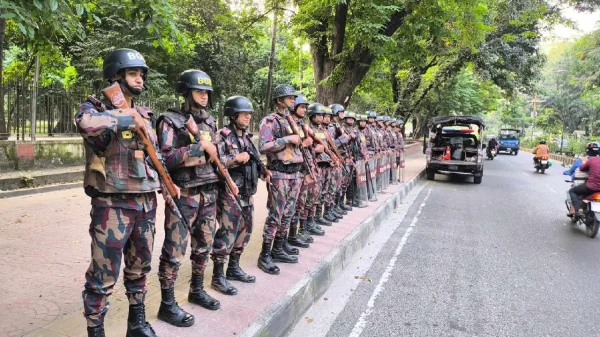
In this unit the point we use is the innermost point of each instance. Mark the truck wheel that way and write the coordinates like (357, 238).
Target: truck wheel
(516, 153)
(477, 179)
(430, 174)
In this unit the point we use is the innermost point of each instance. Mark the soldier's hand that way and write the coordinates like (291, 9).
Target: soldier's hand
(294, 139)
(268, 176)
(353, 135)
(209, 148)
(139, 123)
(242, 158)
(178, 191)
(308, 142)
(308, 179)
(319, 148)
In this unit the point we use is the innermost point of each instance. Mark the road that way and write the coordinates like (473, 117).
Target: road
(496, 259)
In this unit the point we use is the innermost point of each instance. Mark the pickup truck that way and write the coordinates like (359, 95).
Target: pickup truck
(509, 142)
(455, 147)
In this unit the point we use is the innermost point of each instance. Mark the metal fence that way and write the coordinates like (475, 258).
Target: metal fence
(55, 109)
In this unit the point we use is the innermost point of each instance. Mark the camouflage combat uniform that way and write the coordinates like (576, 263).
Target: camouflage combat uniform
(285, 162)
(235, 223)
(197, 179)
(122, 186)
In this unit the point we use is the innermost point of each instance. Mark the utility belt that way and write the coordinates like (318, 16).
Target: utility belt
(324, 164)
(121, 196)
(202, 188)
(279, 166)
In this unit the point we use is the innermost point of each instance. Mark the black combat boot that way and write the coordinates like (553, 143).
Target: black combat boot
(303, 232)
(333, 211)
(95, 331)
(219, 281)
(288, 249)
(279, 254)
(319, 219)
(312, 228)
(329, 216)
(171, 312)
(349, 200)
(265, 261)
(234, 272)
(136, 322)
(294, 238)
(199, 296)
(340, 207)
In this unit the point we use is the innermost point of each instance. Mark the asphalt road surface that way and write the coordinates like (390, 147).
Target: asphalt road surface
(459, 259)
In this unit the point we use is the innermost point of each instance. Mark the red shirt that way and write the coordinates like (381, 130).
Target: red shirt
(593, 167)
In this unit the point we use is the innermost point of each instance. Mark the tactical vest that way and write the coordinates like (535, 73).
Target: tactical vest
(291, 153)
(322, 157)
(188, 177)
(121, 167)
(245, 176)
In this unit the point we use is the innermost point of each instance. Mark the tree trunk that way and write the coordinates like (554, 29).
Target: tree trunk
(267, 105)
(4, 132)
(353, 65)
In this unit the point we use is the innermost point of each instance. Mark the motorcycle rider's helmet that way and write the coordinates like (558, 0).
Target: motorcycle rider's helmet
(542, 142)
(592, 149)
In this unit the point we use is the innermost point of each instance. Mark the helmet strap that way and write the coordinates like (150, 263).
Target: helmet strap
(234, 122)
(190, 104)
(126, 88)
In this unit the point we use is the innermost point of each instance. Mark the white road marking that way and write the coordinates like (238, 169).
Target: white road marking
(525, 174)
(362, 320)
(552, 190)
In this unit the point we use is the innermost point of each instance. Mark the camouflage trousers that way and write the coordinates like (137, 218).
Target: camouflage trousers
(281, 202)
(235, 225)
(379, 177)
(118, 233)
(307, 198)
(335, 185)
(327, 187)
(200, 208)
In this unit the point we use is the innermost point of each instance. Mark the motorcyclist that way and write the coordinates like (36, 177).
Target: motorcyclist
(592, 185)
(592, 149)
(541, 150)
(492, 144)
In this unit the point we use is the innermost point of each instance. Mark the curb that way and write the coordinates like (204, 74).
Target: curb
(281, 316)
(36, 190)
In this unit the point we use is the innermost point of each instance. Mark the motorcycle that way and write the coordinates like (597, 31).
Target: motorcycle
(590, 215)
(491, 154)
(541, 164)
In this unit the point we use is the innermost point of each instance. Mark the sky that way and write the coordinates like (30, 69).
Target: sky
(585, 22)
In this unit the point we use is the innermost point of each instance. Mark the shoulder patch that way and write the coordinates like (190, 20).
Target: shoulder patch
(225, 132)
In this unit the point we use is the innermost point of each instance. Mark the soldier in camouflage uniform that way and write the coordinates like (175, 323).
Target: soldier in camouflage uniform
(381, 155)
(235, 148)
(391, 138)
(285, 161)
(324, 194)
(358, 156)
(332, 175)
(186, 159)
(339, 134)
(372, 145)
(122, 188)
(300, 221)
(363, 184)
(400, 143)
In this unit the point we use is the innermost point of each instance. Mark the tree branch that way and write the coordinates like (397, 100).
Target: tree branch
(339, 28)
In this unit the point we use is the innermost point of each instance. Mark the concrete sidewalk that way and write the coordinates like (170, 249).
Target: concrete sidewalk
(42, 287)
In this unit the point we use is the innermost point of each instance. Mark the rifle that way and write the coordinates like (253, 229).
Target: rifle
(305, 156)
(192, 128)
(337, 153)
(115, 96)
(318, 140)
